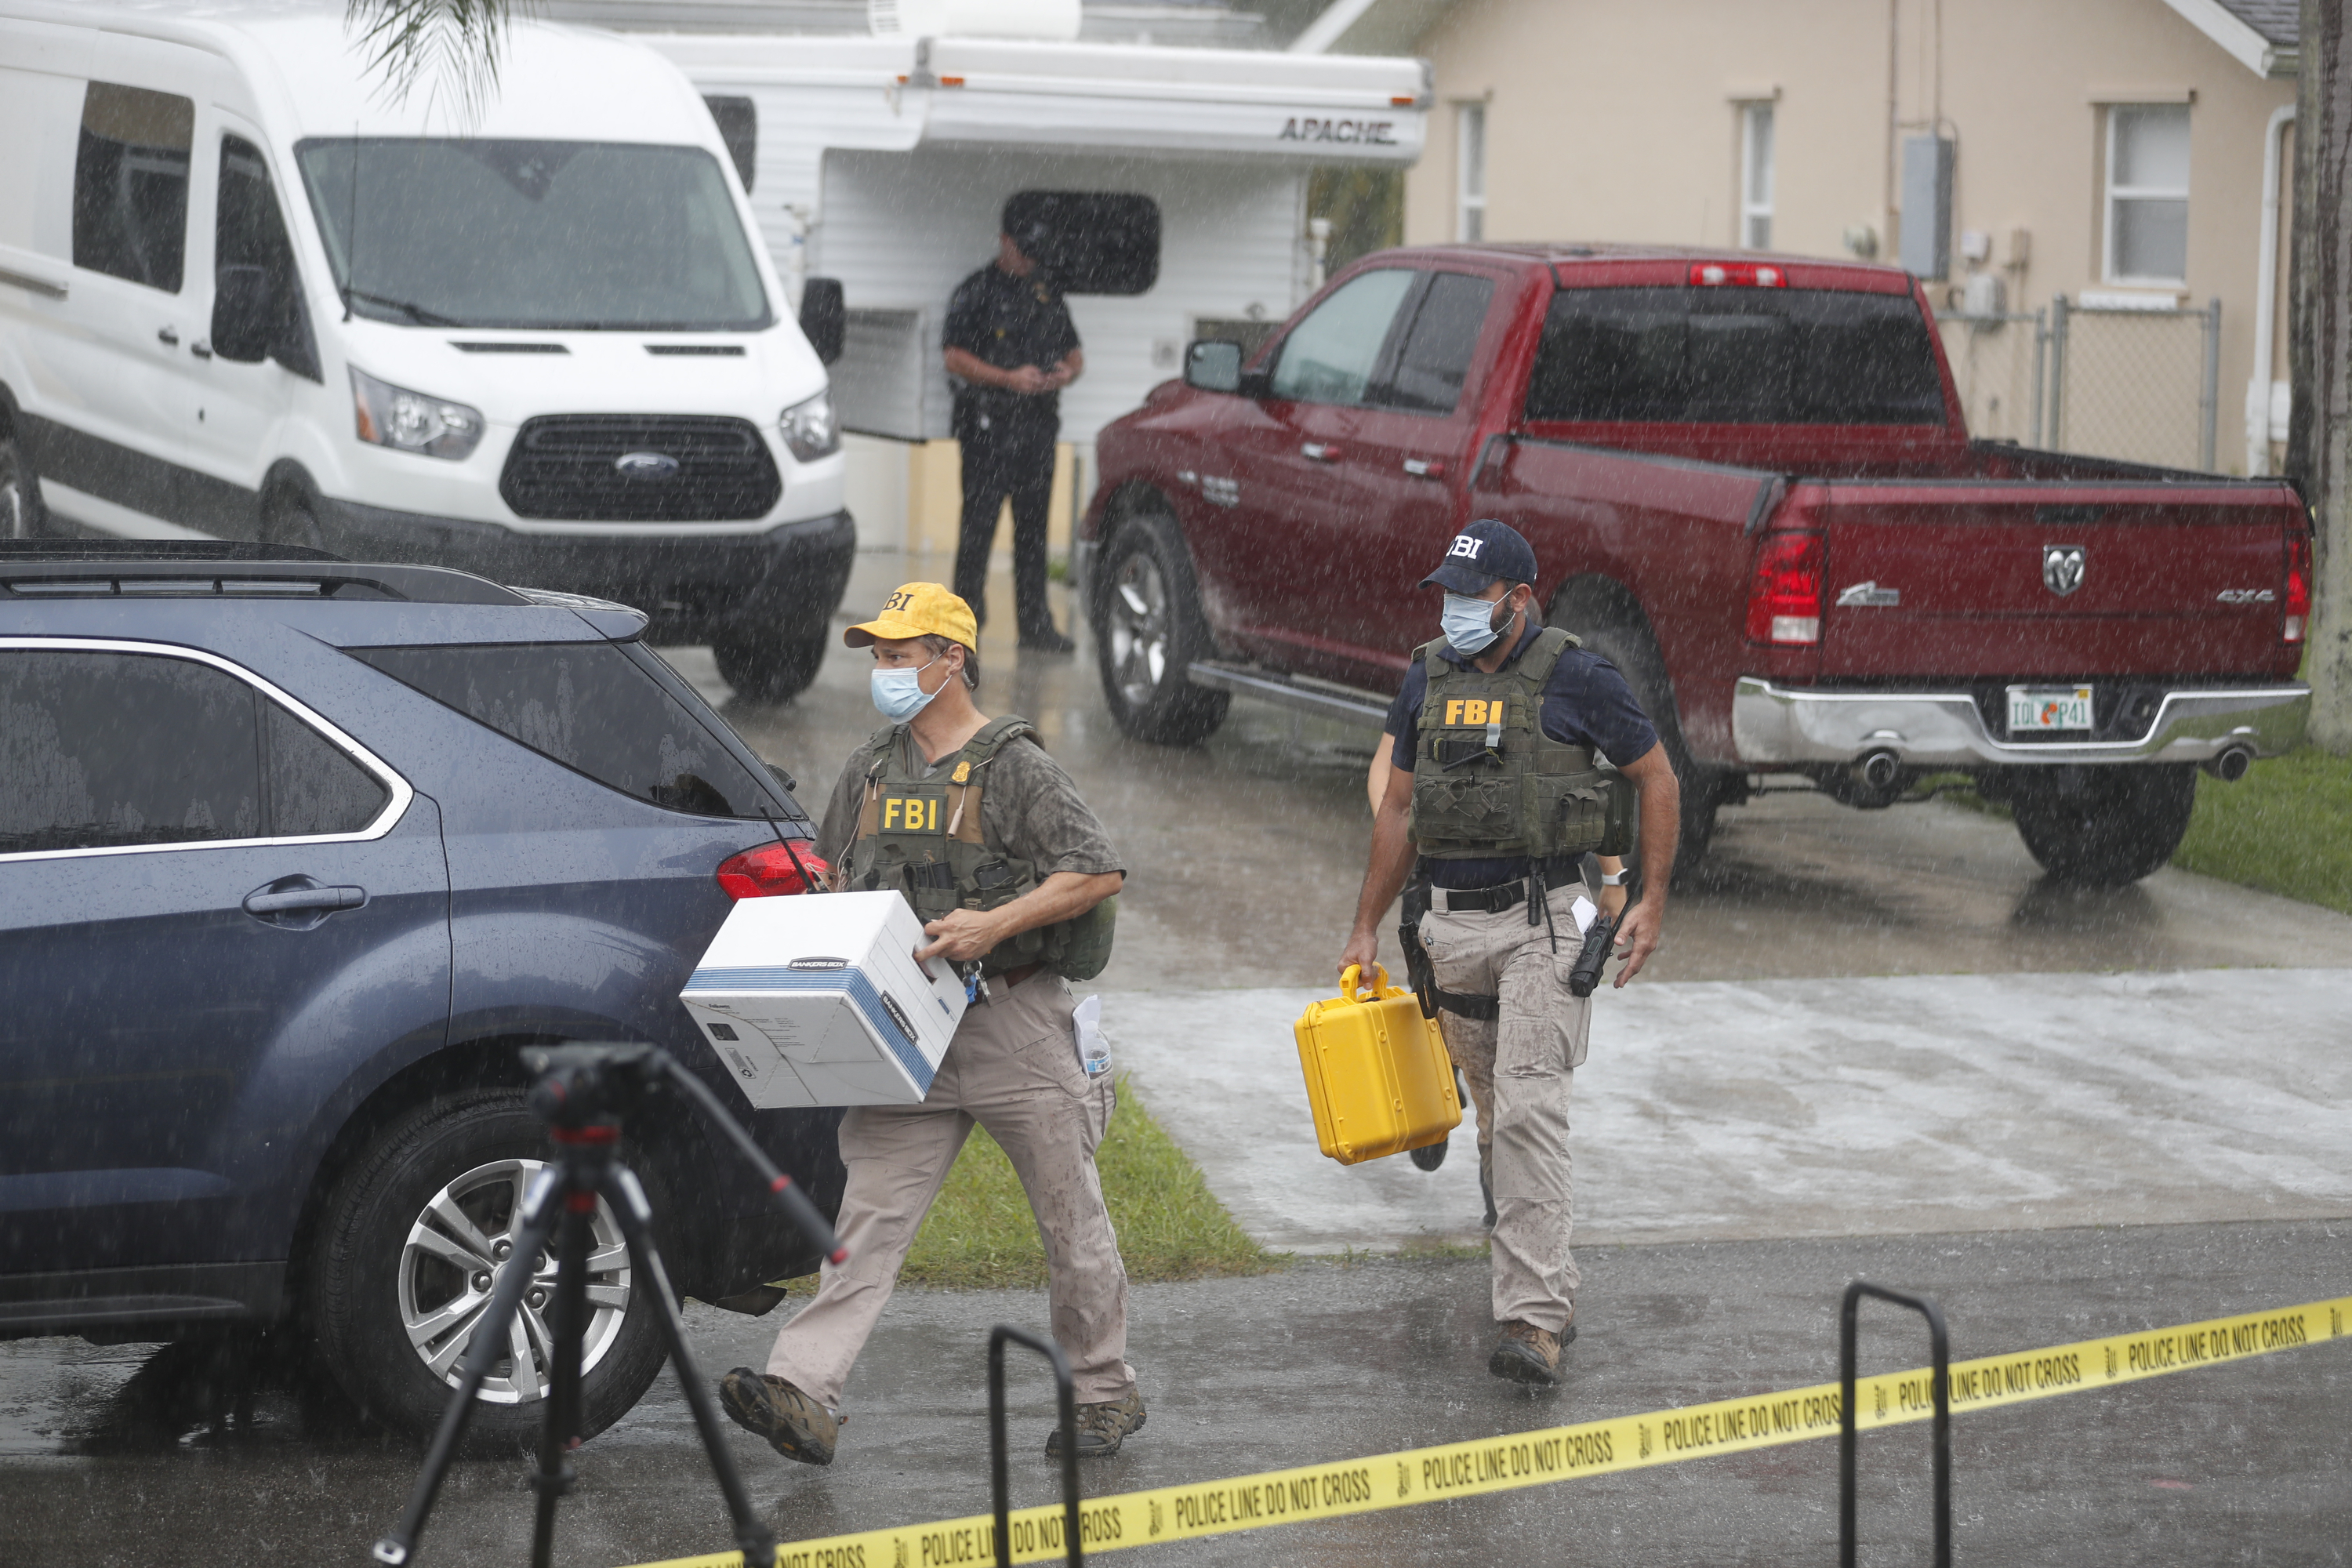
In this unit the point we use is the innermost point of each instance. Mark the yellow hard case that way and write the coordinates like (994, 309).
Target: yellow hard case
(1377, 1073)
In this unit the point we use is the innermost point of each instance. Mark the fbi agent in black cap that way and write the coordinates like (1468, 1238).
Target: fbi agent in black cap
(1010, 348)
(1497, 793)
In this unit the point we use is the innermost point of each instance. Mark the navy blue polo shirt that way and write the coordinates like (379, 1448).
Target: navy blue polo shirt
(1585, 703)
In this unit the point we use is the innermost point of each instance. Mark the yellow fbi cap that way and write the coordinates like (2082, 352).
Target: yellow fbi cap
(917, 610)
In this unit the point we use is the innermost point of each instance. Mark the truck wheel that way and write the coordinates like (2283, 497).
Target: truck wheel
(20, 493)
(288, 517)
(768, 666)
(1636, 658)
(410, 1244)
(2106, 826)
(1148, 631)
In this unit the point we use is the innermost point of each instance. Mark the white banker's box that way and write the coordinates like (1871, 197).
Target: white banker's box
(816, 999)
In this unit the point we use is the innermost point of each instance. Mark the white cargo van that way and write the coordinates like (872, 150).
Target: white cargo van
(248, 292)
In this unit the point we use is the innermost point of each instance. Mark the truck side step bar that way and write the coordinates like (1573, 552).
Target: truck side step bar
(1323, 698)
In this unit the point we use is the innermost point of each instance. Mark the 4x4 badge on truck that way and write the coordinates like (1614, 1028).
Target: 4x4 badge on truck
(2062, 568)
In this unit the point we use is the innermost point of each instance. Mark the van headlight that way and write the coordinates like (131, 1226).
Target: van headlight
(412, 422)
(811, 431)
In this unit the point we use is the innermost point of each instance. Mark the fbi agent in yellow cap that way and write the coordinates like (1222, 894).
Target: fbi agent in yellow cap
(985, 836)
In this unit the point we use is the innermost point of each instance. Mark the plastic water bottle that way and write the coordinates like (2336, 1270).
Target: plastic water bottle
(1094, 1048)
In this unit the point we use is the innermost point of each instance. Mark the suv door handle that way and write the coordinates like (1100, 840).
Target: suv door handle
(299, 895)
(201, 349)
(169, 337)
(1426, 468)
(1319, 451)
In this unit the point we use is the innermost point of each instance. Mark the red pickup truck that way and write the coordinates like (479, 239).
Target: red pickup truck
(1749, 483)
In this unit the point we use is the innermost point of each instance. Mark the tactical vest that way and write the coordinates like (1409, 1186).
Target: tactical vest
(1488, 783)
(923, 836)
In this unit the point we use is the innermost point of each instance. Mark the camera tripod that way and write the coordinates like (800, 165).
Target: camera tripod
(582, 1092)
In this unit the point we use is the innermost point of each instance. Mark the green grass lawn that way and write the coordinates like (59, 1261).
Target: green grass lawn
(980, 1234)
(2285, 827)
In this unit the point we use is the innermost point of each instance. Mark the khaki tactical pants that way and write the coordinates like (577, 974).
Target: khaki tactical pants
(1014, 1069)
(1518, 1065)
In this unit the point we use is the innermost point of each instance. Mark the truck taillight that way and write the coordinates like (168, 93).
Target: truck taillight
(769, 872)
(2298, 587)
(1784, 597)
(1737, 275)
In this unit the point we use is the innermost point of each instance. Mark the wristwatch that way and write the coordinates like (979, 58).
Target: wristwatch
(1615, 878)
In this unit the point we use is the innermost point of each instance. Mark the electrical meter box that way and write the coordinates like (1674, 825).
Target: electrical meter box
(817, 999)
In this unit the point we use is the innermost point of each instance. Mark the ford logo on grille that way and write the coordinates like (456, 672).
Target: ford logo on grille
(646, 465)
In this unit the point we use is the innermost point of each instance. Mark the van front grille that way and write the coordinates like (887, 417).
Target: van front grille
(680, 468)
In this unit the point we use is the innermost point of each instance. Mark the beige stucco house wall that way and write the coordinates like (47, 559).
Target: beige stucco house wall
(1604, 120)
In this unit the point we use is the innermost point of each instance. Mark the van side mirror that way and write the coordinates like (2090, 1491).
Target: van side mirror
(244, 313)
(824, 318)
(1213, 365)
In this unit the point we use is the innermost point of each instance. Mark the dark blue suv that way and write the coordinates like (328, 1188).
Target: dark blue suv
(294, 855)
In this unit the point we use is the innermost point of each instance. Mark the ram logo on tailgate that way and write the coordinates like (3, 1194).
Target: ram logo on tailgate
(2062, 568)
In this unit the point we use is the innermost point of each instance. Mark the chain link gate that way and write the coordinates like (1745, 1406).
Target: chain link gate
(2138, 384)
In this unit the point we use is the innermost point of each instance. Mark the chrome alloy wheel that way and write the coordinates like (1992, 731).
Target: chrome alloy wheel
(457, 1250)
(1141, 630)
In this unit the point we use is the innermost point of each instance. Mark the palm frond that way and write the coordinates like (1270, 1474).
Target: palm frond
(451, 48)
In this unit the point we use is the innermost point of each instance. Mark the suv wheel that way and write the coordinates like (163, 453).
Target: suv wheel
(2102, 826)
(414, 1239)
(1148, 631)
(770, 667)
(1636, 656)
(20, 493)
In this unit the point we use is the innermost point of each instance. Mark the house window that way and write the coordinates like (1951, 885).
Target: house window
(1756, 176)
(2148, 194)
(1470, 176)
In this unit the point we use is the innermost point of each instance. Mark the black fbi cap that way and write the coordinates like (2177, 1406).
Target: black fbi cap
(1482, 552)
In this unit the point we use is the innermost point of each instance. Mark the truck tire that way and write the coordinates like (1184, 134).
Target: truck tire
(20, 492)
(410, 1239)
(2102, 826)
(1148, 631)
(770, 667)
(1636, 656)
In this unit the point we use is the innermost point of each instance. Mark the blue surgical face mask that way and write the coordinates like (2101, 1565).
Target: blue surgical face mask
(899, 694)
(1469, 624)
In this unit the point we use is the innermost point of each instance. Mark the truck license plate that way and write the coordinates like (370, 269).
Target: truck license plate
(2032, 709)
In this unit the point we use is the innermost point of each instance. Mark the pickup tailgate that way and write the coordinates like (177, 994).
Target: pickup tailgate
(2043, 581)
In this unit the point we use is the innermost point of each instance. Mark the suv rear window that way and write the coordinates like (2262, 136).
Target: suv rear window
(1736, 356)
(593, 709)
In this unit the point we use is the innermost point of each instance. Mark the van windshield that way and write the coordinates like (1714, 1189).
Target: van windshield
(586, 235)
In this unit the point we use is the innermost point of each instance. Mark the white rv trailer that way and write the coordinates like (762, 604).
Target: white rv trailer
(885, 161)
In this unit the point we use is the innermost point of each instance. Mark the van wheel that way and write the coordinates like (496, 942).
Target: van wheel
(288, 517)
(1148, 631)
(1636, 658)
(411, 1244)
(20, 493)
(2102, 826)
(764, 666)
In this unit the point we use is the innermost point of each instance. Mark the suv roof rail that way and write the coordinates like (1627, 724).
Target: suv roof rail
(62, 571)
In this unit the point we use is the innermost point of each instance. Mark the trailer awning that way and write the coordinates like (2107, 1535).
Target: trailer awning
(1143, 101)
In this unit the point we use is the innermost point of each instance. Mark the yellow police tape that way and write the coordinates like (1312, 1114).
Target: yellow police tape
(1559, 1453)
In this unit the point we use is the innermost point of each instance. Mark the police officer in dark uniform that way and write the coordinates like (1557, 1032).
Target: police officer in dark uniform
(1011, 347)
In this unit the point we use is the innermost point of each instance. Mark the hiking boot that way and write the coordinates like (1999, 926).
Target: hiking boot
(1046, 640)
(794, 1424)
(1102, 1427)
(1528, 1355)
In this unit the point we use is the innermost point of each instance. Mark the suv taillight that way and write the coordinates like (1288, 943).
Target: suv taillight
(771, 871)
(1784, 597)
(2298, 587)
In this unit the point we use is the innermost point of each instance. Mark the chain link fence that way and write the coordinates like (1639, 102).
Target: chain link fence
(2138, 384)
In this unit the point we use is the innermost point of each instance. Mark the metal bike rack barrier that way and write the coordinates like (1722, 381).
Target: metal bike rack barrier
(1940, 1344)
(999, 1483)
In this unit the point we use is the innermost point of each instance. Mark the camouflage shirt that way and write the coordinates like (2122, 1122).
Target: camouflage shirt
(1029, 809)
